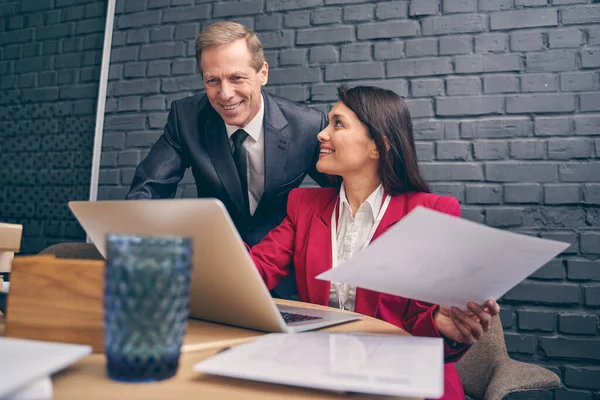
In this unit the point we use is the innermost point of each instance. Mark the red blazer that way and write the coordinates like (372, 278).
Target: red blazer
(303, 241)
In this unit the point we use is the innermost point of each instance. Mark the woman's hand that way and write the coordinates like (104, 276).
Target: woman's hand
(465, 326)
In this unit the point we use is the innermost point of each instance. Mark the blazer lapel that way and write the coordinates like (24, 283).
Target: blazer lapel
(395, 212)
(277, 143)
(220, 152)
(318, 254)
(367, 301)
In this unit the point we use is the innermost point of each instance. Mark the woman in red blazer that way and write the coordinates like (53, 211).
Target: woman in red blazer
(369, 144)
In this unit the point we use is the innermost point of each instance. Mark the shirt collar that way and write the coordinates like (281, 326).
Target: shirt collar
(254, 127)
(374, 200)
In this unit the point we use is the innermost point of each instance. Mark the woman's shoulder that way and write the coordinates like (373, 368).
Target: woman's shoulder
(443, 203)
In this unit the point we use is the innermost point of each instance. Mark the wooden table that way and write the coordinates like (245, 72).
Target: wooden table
(87, 379)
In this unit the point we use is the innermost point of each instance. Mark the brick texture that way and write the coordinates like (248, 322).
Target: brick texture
(49, 71)
(504, 94)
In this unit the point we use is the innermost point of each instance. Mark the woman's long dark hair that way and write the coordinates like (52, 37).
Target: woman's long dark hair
(388, 120)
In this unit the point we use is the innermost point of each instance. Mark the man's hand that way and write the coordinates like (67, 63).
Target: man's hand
(466, 326)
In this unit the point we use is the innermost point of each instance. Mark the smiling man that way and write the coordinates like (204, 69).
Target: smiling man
(245, 147)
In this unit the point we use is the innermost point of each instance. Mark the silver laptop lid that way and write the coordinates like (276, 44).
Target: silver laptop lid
(226, 286)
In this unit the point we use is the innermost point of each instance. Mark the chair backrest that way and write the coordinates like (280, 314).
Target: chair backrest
(81, 250)
(476, 367)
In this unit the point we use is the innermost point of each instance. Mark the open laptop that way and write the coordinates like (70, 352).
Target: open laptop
(226, 287)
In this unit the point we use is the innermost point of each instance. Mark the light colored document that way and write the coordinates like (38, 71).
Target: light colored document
(346, 362)
(25, 366)
(40, 389)
(437, 258)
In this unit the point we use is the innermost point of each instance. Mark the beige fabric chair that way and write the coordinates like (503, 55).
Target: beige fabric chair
(488, 373)
(82, 250)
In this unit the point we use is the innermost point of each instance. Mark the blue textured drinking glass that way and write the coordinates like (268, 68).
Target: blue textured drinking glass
(146, 305)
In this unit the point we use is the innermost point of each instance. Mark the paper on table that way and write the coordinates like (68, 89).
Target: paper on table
(40, 389)
(362, 363)
(22, 362)
(441, 259)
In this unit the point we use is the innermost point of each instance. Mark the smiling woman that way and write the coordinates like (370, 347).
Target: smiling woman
(369, 144)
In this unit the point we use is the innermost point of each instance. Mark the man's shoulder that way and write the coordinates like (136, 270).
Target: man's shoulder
(290, 107)
(197, 102)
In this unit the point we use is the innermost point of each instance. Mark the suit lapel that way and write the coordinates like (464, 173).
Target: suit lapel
(395, 212)
(318, 254)
(367, 301)
(219, 150)
(277, 144)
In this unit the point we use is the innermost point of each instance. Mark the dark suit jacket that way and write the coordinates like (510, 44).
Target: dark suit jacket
(195, 137)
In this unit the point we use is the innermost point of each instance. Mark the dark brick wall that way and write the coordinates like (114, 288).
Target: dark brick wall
(50, 55)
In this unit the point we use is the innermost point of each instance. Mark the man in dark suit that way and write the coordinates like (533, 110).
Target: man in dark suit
(245, 147)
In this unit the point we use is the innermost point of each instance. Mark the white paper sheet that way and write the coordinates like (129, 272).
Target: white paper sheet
(25, 363)
(362, 363)
(40, 389)
(437, 258)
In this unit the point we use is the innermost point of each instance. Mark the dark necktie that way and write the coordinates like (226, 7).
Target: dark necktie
(239, 157)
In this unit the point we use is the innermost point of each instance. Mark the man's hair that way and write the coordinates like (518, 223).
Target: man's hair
(226, 32)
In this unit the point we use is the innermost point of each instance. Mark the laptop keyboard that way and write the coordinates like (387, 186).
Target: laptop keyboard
(291, 318)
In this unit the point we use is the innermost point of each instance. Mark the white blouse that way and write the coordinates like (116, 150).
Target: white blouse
(351, 234)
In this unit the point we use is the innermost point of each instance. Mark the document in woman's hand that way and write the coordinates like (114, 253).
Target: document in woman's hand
(437, 258)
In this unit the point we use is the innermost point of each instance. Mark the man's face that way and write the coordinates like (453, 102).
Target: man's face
(232, 85)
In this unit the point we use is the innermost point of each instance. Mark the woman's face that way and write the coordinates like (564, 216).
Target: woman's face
(346, 147)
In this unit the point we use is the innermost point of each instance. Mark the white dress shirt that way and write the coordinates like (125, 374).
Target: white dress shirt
(353, 233)
(255, 155)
